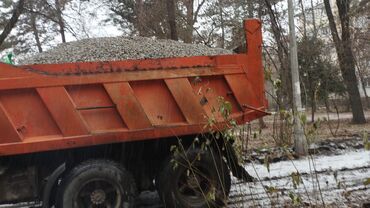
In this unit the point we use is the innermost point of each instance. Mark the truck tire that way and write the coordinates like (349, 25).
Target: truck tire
(97, 183)
(206, 183)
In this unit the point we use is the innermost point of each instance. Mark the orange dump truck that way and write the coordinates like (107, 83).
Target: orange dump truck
(95, 134)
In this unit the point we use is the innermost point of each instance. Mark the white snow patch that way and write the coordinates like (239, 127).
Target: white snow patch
(336, 162)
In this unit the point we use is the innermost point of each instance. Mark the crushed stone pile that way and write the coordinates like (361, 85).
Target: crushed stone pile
(120, 48)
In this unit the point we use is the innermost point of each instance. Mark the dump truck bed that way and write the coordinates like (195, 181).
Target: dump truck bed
(59, 106)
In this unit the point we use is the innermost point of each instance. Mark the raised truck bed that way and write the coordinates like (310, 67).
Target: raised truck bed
(111, 125)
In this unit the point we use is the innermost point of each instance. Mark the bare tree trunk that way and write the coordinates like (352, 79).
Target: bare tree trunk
(284, 93)
(313, 102)
(346, 58)
(60, 20)
(311, 91)
(171, 12)
(220, 5)
(13, 20)
(191, 18)
(189, 21)
(304, 19)
(313, 106)
(35, 32)
(139, 7)
(326, 100)
(250, 7)
(313, 19)
(364, 88)
(262, 123)
(300, 142)
(260, 11)
(365, 92)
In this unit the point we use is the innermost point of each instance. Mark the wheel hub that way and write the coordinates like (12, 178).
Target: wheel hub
(98, 196)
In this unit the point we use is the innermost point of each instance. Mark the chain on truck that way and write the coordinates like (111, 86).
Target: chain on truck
(95, 134)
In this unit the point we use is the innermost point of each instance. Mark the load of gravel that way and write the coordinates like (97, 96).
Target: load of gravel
(120, 48)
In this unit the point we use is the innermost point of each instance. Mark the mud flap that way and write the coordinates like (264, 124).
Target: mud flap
(51, 182)
(232, 161)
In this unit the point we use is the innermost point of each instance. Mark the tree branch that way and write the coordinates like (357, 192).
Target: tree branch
(13, 20)
(332, 25)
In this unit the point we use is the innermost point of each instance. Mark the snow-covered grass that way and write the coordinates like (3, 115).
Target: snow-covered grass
(348, 160)
(336, 180)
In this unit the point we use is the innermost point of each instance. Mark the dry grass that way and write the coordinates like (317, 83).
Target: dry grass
(333, 129)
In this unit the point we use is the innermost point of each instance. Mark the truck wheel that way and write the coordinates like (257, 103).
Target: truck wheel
(97, 183)
(197, 179)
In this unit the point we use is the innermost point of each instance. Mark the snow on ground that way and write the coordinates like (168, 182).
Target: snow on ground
(347, 189)
(334, 162)
(339, 181)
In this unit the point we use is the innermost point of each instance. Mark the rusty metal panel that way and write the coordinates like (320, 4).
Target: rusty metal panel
(243, 91)
(82, 79)
(103, 120)
(57, 106)
(209, 90)
(28, 113)
(96, 107)
(158, 102)
(89, 96)
(128, 106)
(8, 132)
(253, 62)
(188, 102)
(63, 111)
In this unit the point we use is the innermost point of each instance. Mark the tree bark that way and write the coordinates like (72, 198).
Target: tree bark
(367, 101)
(60, 20)
(304, 19)
(191, 18)
(262, 123)
(284, 93)
(171, 12)
(313, 19)
(220, 6)
(250, 7)
(313, 106)
(139, 7)
(189, 4)
(345, 57)
(13, 20)
(35, 32)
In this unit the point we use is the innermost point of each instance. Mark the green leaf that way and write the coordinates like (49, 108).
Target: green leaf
(267, 162)
(8, 59)
(303, 118)
(233, 123)
(367, 182)
(365, 138)
(296, 179)
(208, 142)
(175, 164)
(173, 148)
(271, 189)
(295, 198)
